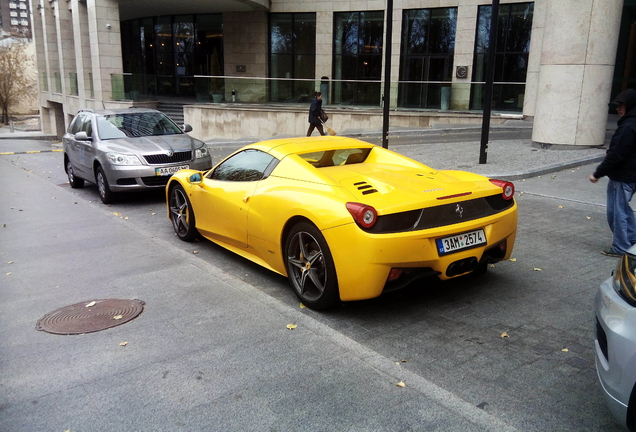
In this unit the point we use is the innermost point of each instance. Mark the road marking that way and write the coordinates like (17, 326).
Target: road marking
(30, 152)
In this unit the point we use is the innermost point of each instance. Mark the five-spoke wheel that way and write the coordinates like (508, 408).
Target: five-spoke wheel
(310, 267)
(181, 214)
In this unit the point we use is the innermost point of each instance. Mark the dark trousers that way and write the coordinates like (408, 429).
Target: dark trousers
(313, 126)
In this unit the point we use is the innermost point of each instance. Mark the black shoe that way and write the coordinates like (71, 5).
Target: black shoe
(610, 252)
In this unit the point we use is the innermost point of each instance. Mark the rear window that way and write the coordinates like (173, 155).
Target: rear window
(327, 158)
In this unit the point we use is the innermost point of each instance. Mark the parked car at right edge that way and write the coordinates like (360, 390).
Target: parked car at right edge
(615, 341)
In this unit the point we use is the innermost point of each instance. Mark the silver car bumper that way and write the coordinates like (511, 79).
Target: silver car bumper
(123, 178)
(615, 342)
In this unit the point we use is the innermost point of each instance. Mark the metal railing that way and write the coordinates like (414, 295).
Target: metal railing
(436, 95)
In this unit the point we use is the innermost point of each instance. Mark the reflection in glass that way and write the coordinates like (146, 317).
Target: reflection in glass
(292, 44)
(428, 46)
(358, 44)
(511, 59)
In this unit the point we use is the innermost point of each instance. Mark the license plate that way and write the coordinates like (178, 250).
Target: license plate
(461, 241)
(170, 170)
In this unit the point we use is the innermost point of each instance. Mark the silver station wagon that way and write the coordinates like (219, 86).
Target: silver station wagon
(615, 341)
(128, 150)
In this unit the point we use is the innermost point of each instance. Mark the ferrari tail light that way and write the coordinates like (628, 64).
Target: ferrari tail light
(363, 214)
(508, 188)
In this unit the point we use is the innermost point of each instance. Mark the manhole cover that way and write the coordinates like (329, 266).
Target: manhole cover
(90, 316)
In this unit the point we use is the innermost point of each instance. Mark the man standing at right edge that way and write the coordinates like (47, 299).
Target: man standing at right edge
(620, 166)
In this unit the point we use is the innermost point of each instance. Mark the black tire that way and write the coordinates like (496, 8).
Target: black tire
(73, 180)
(310, 267)
(105, 193)
(181, 214)
(481, 269)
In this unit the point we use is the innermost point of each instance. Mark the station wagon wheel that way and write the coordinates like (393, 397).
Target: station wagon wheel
(105, 193)
(310, 267)
(181, 214)
(73, 180)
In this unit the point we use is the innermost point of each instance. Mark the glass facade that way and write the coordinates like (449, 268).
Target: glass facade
(357, 57)
(292, 54)
(625, 70)
(511, 61)
(162, 54)
(428, 46)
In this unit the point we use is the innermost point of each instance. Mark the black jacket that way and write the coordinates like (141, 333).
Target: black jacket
(314, 111)
(620, 161)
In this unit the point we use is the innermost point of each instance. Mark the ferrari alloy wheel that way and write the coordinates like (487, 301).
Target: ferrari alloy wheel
(181, 214)
(310, 267)
(105, 193)
(74, 181)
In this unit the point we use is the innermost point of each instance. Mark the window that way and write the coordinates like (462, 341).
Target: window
(164, 53)
(248, 165)
(511, 58)
(428, 45)
(358, 39)
(328, 158)
(292, 54)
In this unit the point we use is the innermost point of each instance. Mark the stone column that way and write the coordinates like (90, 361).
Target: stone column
(575, 74)
(105, 44)
(464, 53)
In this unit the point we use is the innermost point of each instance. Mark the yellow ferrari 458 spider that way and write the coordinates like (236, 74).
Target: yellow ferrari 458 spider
(344, 219)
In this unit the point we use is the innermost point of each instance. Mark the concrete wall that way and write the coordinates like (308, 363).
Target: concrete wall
(234, 121)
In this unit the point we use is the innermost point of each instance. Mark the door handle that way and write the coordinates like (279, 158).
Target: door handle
(246, 199)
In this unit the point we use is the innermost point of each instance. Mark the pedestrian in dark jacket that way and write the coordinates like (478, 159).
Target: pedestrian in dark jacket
(619, 166)
(314, 114)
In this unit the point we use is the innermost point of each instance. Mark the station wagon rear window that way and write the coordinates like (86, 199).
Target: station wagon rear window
(328, 158)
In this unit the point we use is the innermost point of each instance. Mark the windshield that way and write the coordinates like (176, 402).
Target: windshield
(135, 125)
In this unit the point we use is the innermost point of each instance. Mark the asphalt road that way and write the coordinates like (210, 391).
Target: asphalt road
(515, 344)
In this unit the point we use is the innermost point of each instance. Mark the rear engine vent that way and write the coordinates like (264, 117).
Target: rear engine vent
(365, 188)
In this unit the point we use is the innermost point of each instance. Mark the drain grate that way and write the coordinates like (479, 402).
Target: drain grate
(90, 316)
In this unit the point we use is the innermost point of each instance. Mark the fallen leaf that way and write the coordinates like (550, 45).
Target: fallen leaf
(123, 344)
(8, 273)
(291, 326)
(154, 214)
(560, 206)
(90, 304)
(537, 269)
(302, 306)
(513, 259)
(116, 317)
(492, 266)
(195, 252)
(565, 350)
(401, 384)
(9, 262)
(504, 335)
(588, 217)
(117, 214)
(404, 360)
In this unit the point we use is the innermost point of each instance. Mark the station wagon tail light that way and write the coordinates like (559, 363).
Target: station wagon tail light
(363, 214)
(508, 188)
(625, 280)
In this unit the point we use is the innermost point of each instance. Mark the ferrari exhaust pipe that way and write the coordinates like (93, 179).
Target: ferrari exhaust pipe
(462, 266)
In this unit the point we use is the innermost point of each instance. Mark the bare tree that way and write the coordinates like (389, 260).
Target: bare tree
(16, 81)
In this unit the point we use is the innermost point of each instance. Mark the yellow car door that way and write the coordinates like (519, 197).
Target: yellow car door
(224, 195)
